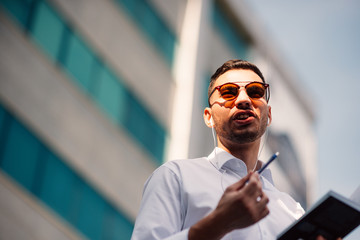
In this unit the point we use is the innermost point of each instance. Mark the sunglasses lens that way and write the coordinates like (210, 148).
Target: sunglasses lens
(229, 91)
(255, 90)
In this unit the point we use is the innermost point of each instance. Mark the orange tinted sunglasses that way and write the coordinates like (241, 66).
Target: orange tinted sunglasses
(230, 91)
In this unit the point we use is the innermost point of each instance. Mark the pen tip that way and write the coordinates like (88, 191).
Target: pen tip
(277, 153)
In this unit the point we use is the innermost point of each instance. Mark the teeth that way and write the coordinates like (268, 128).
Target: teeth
(242, 116)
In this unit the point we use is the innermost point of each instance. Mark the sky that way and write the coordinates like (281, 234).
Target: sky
(321, 40)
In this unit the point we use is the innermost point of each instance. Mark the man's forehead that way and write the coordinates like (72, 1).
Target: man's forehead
(239, 76)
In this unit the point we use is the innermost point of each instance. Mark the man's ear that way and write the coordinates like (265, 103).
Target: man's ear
(269, 116)
(208, 117)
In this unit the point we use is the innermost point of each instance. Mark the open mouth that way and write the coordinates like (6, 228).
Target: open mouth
(243, 116)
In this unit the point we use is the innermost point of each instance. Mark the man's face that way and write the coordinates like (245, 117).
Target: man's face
(243, 119)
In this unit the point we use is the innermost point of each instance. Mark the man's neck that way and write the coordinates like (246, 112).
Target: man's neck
(247, 152)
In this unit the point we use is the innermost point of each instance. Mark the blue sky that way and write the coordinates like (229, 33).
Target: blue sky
(321, 40)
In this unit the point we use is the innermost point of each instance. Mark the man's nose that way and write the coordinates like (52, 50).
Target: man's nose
(242, 100)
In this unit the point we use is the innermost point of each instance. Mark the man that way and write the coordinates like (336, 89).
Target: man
(221, 196)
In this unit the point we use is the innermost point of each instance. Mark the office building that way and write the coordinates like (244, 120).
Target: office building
(94, 95)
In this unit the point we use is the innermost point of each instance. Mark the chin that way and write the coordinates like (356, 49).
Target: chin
(247, 137)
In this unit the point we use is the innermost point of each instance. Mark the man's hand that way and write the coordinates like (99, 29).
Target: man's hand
(242, 204)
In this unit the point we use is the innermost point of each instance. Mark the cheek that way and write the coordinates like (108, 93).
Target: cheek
(262, 113)
(220, 119)
(265, 117)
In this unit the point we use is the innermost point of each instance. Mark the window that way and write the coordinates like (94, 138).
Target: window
(79, 62)
(148, 19)
(47, 30)
(205, 84)
(2, 120)
(57, 184)
(156, 139)
(136, 115)
(121, 228)
(145, 129)
(109, 95)
(166, 41)
(20, 155)
(91, 213)
(19, 9)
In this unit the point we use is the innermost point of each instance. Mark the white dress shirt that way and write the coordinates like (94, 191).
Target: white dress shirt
(181, 192)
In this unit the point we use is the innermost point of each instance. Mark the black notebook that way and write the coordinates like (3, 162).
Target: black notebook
(332, 216)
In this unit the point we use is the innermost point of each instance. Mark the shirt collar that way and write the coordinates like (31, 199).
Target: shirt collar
(221, 160)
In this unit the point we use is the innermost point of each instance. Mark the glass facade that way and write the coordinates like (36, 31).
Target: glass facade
(56, 38)
(45, 175)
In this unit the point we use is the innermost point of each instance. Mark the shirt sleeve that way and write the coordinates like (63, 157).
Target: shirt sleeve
(161, 212)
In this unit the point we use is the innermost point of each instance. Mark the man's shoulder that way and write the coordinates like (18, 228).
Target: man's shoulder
(180, 168)
(186, 163)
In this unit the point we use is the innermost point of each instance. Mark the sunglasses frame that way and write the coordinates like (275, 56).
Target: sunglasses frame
(266, 94)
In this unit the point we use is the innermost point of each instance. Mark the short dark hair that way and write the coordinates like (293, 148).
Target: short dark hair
(233, 64)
